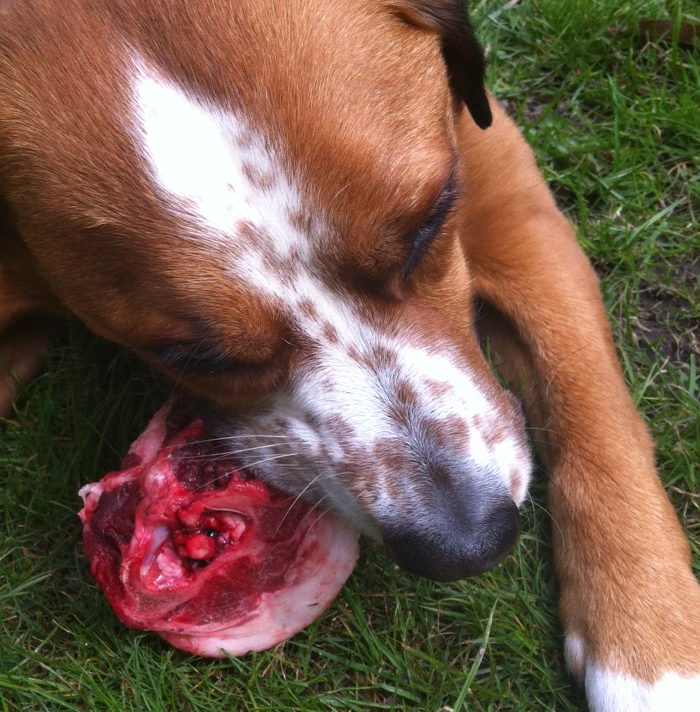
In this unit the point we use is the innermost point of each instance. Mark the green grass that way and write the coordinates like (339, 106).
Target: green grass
(615, 125)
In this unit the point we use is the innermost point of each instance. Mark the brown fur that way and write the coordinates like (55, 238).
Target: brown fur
(81, 233)
(617, 541)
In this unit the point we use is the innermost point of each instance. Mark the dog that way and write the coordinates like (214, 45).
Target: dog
(309, 214)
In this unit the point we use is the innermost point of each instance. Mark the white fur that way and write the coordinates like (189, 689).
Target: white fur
(611, 691)
(614, 692)
(200, 157)
(575, 655)
(195, 152)
(198, 153)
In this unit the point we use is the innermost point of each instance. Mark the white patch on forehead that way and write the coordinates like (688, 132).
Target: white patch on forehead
(211, 160)
(188, 151)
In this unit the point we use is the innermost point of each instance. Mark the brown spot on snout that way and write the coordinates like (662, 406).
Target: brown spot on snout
(308, 309)
(448, 432)
(330, 334)
(300, 220)
(393, 459)
(492, 429)
(257, 178)
(341, 431)
(405, 394)
(438, 389)
(516, 482)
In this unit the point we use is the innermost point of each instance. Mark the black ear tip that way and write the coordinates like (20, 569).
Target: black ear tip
(466, 67)
(469, 87)
(461, 50)
(481, 112)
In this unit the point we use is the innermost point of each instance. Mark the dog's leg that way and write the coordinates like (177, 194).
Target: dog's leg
(24, 330)
(22, 347)
(629, 603)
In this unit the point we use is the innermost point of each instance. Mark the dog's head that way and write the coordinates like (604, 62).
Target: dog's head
(263, 199)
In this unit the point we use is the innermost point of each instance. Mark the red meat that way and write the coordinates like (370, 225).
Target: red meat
(185, 544)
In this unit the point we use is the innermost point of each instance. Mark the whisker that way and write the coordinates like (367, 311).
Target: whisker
(252, 436)
(546, 511)
(557, 449)
(205, 441)
(296, 499)
(550, 371)
(226, 453)
(533, 428)
(247, 466)
(320, 516)
(269, 459)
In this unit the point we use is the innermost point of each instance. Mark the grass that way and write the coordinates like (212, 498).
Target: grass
(614, 123)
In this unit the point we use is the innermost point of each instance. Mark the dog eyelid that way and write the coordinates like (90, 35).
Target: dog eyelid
(431, 226)
(194, 359)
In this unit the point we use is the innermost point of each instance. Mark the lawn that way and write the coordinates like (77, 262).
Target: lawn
(615, 123)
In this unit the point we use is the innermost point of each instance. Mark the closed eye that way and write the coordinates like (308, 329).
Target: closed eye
(195, 359)
(203, 362)
(431, 226)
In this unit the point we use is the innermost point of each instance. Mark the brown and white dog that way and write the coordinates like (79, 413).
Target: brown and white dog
(285, 206)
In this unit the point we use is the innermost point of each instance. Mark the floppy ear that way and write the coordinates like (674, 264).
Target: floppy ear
(460, 48)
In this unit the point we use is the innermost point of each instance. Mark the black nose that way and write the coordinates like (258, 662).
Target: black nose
(446, 548)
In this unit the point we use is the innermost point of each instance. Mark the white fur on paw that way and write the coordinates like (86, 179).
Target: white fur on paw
(613, 692)
(610, 691)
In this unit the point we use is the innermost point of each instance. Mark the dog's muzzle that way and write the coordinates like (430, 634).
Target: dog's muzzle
(456, 540)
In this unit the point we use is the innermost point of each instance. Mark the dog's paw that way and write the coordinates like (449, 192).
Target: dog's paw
(608, 690)
(639, 653)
